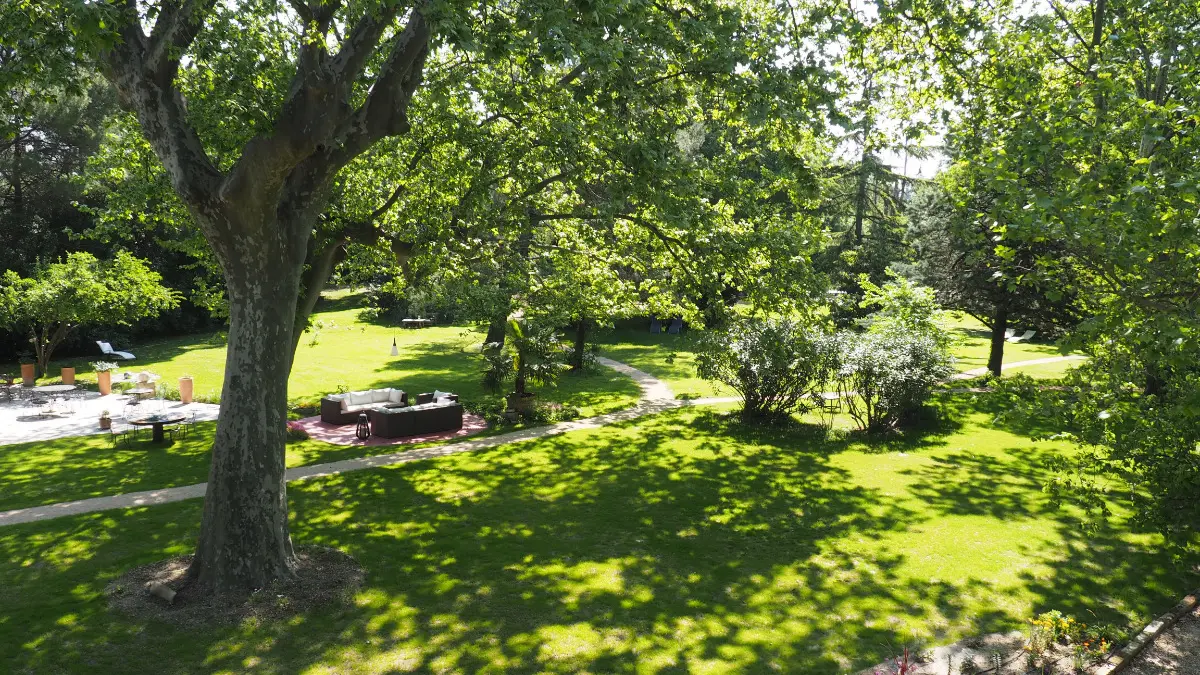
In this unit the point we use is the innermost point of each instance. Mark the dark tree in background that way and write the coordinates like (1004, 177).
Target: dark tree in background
(958, 254)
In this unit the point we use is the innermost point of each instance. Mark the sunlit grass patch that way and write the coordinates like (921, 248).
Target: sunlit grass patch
(679, 542)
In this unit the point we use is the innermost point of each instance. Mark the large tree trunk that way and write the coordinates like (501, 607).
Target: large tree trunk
(497, 329)
(580, 344)
(860, 198)
(999, 326)
(258, 215)
(244, 542)
(860, 193)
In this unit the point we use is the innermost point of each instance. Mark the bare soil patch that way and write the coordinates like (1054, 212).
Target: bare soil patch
(323, 575)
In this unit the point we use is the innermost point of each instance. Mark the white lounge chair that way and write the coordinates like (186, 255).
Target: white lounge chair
(109, 351)
(1009, 333)
(1027, 336)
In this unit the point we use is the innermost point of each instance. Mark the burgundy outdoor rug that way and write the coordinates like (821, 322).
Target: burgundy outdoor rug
(343, 434)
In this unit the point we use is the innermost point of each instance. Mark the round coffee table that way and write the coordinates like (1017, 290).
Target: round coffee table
(55, 388)
(140, 393)
(156, 421)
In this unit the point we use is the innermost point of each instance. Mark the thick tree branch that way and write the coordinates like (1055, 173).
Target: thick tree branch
(147, 89)
(667, 241)
(362, 42)
(177, 25)
(545, 183)
(385, 112)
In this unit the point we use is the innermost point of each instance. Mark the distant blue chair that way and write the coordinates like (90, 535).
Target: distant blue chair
(655, 326)
(675, 327)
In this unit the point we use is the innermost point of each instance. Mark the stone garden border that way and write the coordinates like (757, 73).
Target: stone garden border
(1123, 657)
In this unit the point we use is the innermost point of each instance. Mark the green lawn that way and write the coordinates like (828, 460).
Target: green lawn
(343, 352)
(66, 469)
(671, 358)
(973, 342)
(676, 543)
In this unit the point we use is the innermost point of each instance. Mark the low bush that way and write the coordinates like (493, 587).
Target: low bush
(775, 365)
(494, 411)
(886, 377)
(295, 432)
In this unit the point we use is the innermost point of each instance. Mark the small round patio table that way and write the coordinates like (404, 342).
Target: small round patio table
(55, 388)
(52, 392)
(140, 393)
(156, 421)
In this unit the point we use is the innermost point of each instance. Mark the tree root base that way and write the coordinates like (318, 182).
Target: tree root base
(323, 575)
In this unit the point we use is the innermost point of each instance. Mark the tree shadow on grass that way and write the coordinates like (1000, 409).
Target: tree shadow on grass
(586, 555)
(340, 303)
(1098, 575)
(46, 472)
(990, 408)
(673, 544)
(450, 367)
(965, 483)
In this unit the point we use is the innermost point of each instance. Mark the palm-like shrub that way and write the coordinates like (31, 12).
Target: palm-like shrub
(773, 364)
(530, 353)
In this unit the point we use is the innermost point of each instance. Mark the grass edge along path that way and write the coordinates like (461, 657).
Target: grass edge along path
(680, 541)
(655, 397)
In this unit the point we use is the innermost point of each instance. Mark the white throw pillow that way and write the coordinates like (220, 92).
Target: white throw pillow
(437, 395)
(380, 395)
(396, 396)
(345, 403)
(360, 398)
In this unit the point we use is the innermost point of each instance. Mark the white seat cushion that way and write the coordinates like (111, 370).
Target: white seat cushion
(360, 397)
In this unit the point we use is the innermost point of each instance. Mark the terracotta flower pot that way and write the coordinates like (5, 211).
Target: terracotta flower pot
(28, 374)
(185, 389)
(104, 379)
(105, 422)
(68, 376)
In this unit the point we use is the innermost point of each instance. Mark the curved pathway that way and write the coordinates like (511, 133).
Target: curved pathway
(656, 397)
(979, 372)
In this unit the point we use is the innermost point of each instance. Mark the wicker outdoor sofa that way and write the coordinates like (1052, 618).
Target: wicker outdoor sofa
(345, 408)
(443, 414)
(391, 415)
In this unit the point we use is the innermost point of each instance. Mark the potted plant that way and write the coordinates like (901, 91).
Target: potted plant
(530, 354)
(68, 374)
(105, 420)
(185, 388)
(28, 369)
(104, 375)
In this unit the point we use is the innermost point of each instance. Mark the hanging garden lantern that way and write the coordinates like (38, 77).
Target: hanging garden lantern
(395, 350)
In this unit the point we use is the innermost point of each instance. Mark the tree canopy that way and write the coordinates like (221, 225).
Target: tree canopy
(80, 291)
(583, 162)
